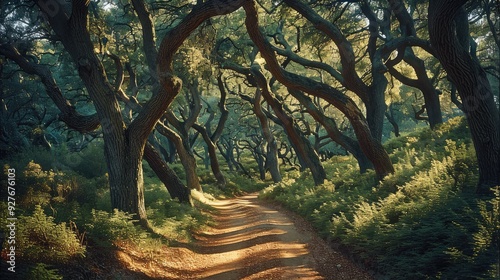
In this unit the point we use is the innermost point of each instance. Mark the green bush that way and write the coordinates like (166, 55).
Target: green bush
(176, 220)
(42, 272)
(487, 237)
(422, 222)
(41, 239)
(104, 228)
(40, 187)
(35, 185)
(89, 162)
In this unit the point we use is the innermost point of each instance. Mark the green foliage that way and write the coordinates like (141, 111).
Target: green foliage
(39, 184)
(54, 188)
(487, 237)
(177, 221)
(42, 271)
(89, 162)
(170, 218)
(41, 239)
(54, 177)
(104, 228)
(421, 222)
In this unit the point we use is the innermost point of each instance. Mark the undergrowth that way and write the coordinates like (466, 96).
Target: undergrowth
(422, 222)
(64, 213)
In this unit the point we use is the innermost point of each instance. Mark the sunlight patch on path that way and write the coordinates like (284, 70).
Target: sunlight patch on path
(249, 241)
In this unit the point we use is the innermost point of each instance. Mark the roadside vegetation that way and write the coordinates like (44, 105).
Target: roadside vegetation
(378, 121)
(423, 221)
(66, 223)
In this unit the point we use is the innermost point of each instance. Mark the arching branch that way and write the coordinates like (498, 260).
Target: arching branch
(68, 113)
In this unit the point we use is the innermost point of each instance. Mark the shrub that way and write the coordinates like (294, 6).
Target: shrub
(422, 222)
(41, 271)
(487, 237)
(105, 228)
(176, 220)
(36, 185)
(43, 240)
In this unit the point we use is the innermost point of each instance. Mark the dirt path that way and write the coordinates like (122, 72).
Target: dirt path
(252, 240)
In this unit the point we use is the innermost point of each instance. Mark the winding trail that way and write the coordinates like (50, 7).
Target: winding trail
(253, 240)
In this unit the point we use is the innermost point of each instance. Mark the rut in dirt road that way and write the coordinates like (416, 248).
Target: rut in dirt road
(254, 241)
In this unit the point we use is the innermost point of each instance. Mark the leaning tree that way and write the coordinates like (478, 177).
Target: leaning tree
(124, 142)
(447, 23)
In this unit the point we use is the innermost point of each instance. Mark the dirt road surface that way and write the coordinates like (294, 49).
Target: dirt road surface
(252, 240)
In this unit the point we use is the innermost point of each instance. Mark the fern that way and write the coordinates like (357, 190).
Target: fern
(41, 239)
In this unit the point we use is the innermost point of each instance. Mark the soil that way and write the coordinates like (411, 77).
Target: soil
(250, 239)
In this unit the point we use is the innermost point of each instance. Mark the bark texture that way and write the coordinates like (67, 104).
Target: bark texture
(473, 87)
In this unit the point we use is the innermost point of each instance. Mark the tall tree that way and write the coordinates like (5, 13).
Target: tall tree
(405, 53)
(472, 84)
(86, 124)
(124, 145)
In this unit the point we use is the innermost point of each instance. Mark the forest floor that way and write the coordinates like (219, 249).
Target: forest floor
(250, 239)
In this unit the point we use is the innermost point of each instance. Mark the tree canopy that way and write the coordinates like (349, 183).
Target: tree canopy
(289, 81)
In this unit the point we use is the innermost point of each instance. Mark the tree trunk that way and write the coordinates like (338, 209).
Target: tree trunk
(225, 155)
(473, 87)
(302, 145)
(431, 96)
(375, 107)
(258, 154)
(122, 149)
(214, 161)
(188, 161)
(392, 120)
(174, 185)
(423, 83)
(271, 146)
(126, 182)
(351, 145)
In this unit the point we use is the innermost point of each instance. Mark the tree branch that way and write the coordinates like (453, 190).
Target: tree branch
(69, 115)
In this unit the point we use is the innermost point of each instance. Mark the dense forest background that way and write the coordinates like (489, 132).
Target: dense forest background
(378, 121)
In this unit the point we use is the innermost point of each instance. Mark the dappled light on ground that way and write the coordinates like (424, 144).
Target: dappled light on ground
(248, 241)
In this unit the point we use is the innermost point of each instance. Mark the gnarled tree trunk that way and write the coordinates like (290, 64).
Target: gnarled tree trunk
(175, 187)
(214, 161)
(473, 87)
(351, 145)
(271, 147)
(124, 145)
(187, 159)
